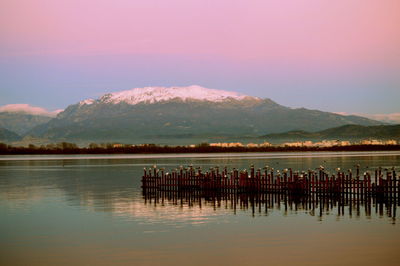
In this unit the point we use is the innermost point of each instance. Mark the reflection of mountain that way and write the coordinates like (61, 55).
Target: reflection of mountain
(21, 197)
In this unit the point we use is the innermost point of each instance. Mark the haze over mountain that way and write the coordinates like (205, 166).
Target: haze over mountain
(28, 109)
(177, 112)
(392, 118)
(21, 118)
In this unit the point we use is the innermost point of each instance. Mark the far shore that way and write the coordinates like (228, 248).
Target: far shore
(153, 149)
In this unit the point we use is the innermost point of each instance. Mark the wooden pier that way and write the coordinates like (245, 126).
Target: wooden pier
(382, 183)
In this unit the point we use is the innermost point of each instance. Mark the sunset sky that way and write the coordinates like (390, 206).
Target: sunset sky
(340, 56)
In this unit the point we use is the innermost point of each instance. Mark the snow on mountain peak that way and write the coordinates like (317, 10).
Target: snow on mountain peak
(159, 94)
(28, 109)
(87, 102)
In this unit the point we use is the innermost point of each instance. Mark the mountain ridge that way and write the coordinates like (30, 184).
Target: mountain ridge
(346, 132)
(140, 114)
(152, 95)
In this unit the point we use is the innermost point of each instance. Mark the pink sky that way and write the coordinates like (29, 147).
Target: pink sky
(317, 31)
(333, 55)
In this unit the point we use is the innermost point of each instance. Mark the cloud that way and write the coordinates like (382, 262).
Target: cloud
(393, 118)
(28, 109)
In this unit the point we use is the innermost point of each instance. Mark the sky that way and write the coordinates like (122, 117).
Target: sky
(338, 56)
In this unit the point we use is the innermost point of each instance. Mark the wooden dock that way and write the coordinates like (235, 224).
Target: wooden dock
(382, 183)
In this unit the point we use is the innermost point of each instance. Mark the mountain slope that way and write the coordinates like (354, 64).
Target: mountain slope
(21, 122)
(21, 118)
(182, 111)
(348, 132)
(8, 136)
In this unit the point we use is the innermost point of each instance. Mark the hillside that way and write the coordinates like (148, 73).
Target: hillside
(8, 136)
(21, 123)
(346, 132)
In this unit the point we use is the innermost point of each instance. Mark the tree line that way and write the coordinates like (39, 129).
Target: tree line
(109, 148)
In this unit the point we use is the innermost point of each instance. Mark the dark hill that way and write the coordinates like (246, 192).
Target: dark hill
(346, 132)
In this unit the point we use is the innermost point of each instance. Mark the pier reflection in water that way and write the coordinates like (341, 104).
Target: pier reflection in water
(261, 203)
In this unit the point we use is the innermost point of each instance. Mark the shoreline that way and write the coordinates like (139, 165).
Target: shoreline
(197, 156)
(239, 151)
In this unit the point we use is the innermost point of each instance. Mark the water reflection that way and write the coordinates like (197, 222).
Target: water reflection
(167, 214)
(111, 185)
(95, 209)
(263, 203)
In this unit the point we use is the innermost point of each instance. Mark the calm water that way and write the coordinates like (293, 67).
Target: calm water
(62, 210)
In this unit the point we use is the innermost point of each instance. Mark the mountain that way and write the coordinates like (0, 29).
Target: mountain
(21, 123)
(162, 94)
(391, 118)
(21, 118)
(347, 132)
(182, 112)
(8, 136)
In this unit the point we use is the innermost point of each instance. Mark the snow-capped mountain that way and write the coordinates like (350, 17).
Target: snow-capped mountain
(163, 94)
(143, 115)
(21, 118)
(28, 109)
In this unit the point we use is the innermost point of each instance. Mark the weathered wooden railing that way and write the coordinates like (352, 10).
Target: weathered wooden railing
(384, 183)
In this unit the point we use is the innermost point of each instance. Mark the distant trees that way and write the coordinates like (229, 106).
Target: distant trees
(110, 148)
(66, 146)
(3, 146)
(93, 146)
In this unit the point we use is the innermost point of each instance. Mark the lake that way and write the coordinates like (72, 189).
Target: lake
(90, 210)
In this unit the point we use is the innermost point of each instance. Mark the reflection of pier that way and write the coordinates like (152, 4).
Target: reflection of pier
(263, 203)
(384, 185)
